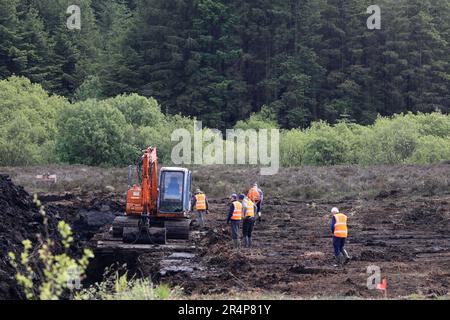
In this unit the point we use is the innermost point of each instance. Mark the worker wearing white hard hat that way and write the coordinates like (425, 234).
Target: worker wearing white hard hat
(340, 232)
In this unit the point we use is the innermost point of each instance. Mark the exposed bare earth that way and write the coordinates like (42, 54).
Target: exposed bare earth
(399, 220)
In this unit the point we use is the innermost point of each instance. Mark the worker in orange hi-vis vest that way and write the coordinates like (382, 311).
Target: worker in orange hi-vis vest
(256, 195)
(235, 217)
(339, 230)
(200, 205)
(248, 219)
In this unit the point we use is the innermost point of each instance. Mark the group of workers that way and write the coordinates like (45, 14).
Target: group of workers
(245, 209)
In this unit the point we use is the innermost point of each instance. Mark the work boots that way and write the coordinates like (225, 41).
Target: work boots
(346, 256)
(247, 242)
(339, 260)
(236, 243)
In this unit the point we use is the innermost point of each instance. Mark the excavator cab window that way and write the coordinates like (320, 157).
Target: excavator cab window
(171, 191)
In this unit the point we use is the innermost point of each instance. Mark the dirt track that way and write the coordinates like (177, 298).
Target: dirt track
(405, 233)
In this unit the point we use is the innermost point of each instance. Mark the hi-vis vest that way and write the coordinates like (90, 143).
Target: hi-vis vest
(237, 213)
(253, 194)
(340, 226)
(200, 201)
(250, 209)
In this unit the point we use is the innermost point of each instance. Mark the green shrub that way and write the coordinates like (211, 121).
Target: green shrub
(122, 288)
(265, 119)
(409, 138)
(28, 123)
(390, 141)
(431, 149)
(292, 147)
(432, 124)
(89, 89)
(324, 146)
(94, 133)
(138, 111)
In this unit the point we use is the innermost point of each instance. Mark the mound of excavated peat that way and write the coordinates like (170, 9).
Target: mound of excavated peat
(19, 219)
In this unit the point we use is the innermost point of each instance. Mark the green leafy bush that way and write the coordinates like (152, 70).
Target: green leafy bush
(421, 138)
(138, 111)
(431, 149)
(265, 119)
(94, 133)
(89, 89)
(292, 146)
(28, 123)
(122, 288)
(325, 145)
(391, 141)
(432, 124)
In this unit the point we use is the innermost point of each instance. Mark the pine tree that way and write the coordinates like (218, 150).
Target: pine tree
(214, 92)
(12, 58)
(427, 56)
(295, 70)
(35, 42)
(118, 61)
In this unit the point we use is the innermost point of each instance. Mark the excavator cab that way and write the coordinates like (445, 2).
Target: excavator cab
(174, 192)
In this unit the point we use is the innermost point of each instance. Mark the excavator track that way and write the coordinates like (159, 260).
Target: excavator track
(131, 230)
(177, 229)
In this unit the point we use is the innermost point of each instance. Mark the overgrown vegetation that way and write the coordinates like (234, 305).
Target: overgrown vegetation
(43, 129)
(118, 287)
(28, 123)
(403, 138)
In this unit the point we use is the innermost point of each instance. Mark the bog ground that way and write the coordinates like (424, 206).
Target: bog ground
(399, 220)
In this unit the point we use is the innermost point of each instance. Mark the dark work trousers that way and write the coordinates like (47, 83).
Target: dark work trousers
(258, 206)
(201, 217)
(338, 245)
(235, 228)
(247, 227)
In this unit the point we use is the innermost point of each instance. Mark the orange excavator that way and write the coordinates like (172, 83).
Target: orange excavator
(158, 208)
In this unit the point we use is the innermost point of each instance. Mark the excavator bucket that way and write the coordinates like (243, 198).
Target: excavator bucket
(137, 230)
(144, 236)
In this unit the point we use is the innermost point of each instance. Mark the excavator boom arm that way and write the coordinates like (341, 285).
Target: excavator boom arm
(149, 185)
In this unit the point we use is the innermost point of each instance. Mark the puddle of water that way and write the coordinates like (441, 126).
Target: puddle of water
(181, 255)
